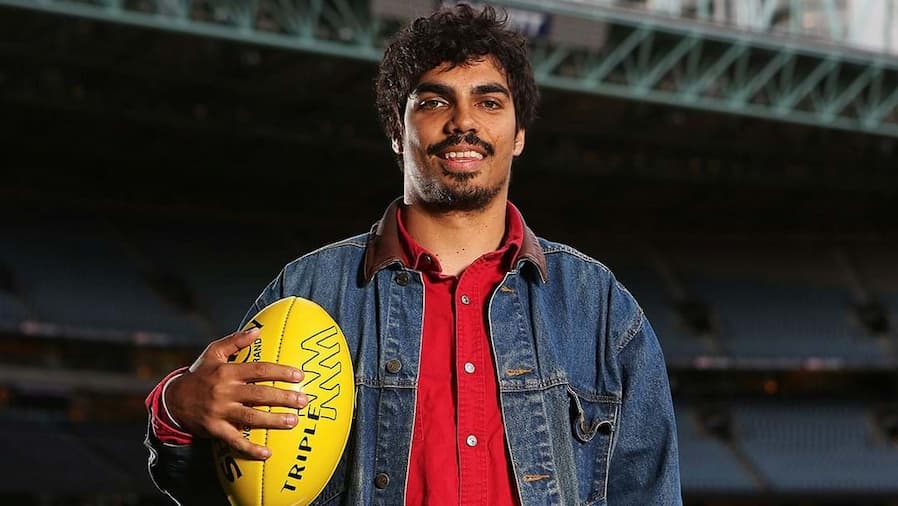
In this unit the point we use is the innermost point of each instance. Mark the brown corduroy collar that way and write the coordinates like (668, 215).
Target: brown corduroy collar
(384, 248)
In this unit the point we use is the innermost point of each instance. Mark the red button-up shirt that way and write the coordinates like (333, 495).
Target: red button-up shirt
(459, 455)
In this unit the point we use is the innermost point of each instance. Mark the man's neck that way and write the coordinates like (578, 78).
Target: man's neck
(457, 238)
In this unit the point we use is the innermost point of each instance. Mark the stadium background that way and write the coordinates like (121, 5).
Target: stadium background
(733, 162)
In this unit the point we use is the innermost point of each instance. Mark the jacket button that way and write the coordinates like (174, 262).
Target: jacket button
(402, 279)
(381, 480)
(394, 366)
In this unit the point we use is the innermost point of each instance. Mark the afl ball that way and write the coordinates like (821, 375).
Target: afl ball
(296, 332)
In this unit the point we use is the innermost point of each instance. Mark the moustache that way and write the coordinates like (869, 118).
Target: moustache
(455, 139)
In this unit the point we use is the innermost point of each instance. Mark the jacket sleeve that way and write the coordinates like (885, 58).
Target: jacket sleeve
(184, 473)
(644, 466)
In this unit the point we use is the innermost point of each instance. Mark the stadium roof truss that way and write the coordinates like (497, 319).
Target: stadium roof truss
(578, 47)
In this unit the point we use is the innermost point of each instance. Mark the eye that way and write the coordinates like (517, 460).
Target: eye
(431, 103)
(491, 104)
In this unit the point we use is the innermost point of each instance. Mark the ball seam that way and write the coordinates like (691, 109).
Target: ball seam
(277, 360)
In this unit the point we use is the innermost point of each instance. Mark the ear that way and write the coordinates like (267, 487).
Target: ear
(519, 142)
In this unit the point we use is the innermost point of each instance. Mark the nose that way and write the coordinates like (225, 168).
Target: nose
(461, 120)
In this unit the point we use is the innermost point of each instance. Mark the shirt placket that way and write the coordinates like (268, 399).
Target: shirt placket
(470, 388)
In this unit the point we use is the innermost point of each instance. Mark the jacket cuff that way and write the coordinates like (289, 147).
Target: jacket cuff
(164, 427)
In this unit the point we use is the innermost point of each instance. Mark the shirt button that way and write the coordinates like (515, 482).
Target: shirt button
(402, 279)
(394, 366)
(381, 480)
(465, 299)
(471, 440)
(469, 368)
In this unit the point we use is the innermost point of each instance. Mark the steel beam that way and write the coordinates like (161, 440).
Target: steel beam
(680, 62)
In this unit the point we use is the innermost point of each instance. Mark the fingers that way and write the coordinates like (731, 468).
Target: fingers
(268, 371)
(252, 372)
(261, 395)
(230, 345)
(229, 434)
(253, 418)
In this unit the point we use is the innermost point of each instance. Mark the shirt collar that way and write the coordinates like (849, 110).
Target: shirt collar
(419, 259)
(386, 245)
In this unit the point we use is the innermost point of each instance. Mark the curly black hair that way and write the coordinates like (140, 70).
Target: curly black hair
(455, 35)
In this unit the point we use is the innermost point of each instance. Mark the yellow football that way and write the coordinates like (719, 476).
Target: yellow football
(296, 332)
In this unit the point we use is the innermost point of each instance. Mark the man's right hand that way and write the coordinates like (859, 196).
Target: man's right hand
(214, 398)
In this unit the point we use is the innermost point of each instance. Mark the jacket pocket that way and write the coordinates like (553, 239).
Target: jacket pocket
(593, 427)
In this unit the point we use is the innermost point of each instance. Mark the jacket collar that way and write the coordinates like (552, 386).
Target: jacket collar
(383, 247)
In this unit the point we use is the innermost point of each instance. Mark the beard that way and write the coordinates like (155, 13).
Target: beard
(459, 195)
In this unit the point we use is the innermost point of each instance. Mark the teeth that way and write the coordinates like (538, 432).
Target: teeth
(464, 154)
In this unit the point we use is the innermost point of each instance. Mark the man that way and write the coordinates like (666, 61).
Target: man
(492, 367)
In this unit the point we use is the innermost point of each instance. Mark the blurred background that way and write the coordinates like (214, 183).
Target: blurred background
(733, 161)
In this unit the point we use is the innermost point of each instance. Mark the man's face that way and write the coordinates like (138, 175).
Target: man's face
(459, 137)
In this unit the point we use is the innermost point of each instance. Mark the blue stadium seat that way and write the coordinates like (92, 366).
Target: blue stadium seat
(707, 465)
(226, 267)
(890, 301)
(760, 319)
(676, 340)
(12, 311)
(816, 447)
(75, 276)
(38, 455)
(120, 444)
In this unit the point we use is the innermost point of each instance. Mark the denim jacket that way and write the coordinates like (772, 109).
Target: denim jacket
(583, 386)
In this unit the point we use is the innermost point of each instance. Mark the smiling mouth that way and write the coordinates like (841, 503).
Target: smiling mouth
(461, 155)
(461, 148)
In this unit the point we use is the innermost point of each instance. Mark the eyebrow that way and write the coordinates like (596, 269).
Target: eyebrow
(485, 89)
(446, 91)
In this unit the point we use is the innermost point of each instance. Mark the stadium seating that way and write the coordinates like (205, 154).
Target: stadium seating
(678, 343)
(74, 276)
(40, 455)
(99, 284)
(759, 319)
(12, 311)
(224, 267)
(816, 446)
(707, 464)
(119, 444)
(890, 301)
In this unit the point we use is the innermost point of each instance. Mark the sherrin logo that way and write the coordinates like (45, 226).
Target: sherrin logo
(296, 332)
